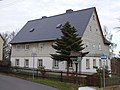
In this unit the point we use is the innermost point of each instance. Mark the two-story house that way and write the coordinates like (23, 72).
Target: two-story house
(1, 47)
(31, 47)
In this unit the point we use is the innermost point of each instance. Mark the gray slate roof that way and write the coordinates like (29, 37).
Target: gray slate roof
(45, 28)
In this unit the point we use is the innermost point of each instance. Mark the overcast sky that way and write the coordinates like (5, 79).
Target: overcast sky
(15, 13)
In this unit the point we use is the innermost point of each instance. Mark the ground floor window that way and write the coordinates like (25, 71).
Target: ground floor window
(17, 62)
(87, 64)
(100, 63)
(55, 63)
(26, 63)
(40, 62)
(94, 62)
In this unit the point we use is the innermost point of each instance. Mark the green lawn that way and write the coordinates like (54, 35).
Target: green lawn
(56, 84)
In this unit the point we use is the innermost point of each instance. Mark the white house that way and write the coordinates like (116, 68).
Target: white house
(1, 47)
(32, 45)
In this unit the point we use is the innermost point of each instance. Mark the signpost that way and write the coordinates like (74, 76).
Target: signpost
(104, 58)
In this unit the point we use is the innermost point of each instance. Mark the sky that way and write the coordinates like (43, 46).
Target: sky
(14, 14)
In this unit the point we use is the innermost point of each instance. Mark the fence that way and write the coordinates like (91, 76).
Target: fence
(71, 77)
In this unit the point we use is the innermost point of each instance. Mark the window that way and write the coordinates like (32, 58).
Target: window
(93, 46)
(26, 63)
(93, 17)
(55, 63)
(87, 64)
(99, 47)
(17, 46)
(40, 62)
(90, 28)
(100, 63)
(94, 62)
(27, 46)
(86, 44)
(40, 45)
(17, 62)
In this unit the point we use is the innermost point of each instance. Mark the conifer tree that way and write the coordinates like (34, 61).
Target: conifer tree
(69, 41)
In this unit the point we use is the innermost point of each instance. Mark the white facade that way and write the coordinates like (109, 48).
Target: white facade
(93, 42)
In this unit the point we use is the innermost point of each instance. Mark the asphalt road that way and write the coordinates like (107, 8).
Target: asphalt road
(12, 83)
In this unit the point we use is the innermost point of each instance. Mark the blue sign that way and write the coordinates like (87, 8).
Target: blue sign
(103, 57)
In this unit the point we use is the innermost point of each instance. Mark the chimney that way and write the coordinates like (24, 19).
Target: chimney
(44, 17)
(69, 11)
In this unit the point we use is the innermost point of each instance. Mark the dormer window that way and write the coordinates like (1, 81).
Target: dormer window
(32, 29)
(59, 26)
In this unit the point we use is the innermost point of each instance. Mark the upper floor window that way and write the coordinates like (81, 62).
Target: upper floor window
(27, 46)
(93, 46)
(99, 47)
(17, 62)
(93, 17)
(86, 44)
(90, 28)
(40, 62)
(87, 64)
(18, 46)
(41, 45)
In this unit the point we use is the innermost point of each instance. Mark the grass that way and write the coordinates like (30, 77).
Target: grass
(56, 84)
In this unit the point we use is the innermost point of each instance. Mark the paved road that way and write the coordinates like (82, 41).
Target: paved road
(12, 83)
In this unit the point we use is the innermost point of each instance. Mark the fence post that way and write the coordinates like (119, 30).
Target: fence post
(37, 72)
(61, 77)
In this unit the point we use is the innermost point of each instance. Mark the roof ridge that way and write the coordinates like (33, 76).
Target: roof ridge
(62, 14)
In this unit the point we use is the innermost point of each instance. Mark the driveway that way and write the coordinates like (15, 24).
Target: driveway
(12, 83)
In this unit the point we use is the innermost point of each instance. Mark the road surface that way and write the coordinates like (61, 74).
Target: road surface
(12, 83)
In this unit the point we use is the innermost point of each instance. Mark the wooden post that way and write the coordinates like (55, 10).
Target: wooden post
(61, 79)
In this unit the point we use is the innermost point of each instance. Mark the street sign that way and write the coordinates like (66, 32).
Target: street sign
(103, 57)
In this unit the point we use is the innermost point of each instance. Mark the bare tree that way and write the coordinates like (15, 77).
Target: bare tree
(7, 36)
(109, 36)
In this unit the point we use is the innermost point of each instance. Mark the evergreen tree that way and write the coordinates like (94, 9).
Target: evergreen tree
(69, 42)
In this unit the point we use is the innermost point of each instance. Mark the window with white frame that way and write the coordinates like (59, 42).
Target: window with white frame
(100, 63)
(86, 45)
(93, 46)
(27, 46)
(87, 64)
(55, 64)
(40, 62)
(18, 46)
(40, 45)
(94, 62)
(26, 63)
(90, 28)
(17, 62)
